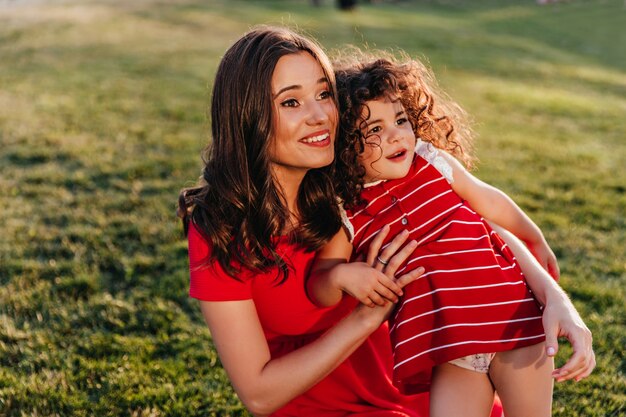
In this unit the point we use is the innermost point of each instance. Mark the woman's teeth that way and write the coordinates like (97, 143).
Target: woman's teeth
(314, 139)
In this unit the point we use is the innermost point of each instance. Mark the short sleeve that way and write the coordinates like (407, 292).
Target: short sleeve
(208, 281)
(431, 154)
(346, 223)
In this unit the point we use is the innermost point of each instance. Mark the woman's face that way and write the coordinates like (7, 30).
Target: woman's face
(304, 116)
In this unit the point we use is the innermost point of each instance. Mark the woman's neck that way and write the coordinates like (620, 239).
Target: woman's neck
(288, 182)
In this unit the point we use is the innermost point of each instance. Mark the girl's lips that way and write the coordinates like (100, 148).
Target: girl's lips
(398, 156)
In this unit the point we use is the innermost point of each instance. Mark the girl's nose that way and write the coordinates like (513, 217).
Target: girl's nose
(395, 134)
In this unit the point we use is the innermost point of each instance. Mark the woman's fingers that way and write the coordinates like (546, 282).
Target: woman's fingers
(591, 364)
(390, 251)
(404, 280)
(576, 368)
(376, 244)
(399, 257)
(582, 361)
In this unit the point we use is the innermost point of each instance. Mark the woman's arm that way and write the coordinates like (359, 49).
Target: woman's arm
(495, 205)
(560, 318)
(264, 384)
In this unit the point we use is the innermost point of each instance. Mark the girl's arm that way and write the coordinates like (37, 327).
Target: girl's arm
(265, 384)
(560, 318)
(332, 275)
(495, 205)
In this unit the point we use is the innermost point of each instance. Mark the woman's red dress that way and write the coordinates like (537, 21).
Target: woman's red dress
(360, 386)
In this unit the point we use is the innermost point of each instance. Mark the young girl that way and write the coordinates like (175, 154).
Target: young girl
(469, 323)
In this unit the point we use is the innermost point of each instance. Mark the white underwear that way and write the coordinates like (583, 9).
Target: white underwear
(478, 363)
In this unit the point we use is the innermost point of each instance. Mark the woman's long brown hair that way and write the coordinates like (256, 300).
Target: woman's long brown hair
(362, 77)
(237, 206)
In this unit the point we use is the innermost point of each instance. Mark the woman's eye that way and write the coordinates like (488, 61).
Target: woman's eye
(292, 102)
(325, 95)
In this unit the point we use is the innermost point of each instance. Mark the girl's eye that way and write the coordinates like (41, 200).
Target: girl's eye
(401, 121)
(373, 130)
(292, 102)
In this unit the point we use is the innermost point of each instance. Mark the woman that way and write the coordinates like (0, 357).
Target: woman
(254, 225)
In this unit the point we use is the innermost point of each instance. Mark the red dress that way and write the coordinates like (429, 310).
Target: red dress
(360, 386)
(473, 297)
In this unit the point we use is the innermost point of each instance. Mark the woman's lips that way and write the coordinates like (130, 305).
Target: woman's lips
(320, 139)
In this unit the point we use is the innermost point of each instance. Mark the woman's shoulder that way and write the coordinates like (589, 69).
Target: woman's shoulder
(208, 280)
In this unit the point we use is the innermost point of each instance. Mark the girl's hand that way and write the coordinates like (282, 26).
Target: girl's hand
(560, 319)
(368, 285)
(373, 282)
(545, 256)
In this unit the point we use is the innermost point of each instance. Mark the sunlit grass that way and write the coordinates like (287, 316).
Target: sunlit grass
(102, 119)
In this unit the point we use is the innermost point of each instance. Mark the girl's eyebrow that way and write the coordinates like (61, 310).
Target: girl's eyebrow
(296, 87)
(367, 123)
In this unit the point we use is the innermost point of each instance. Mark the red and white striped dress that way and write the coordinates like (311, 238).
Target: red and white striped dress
(472, 298)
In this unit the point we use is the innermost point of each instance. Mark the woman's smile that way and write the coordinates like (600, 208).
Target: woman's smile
(318, 139)
(305, 115)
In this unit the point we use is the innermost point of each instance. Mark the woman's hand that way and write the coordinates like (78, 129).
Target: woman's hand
(560, 319)
(386, 262)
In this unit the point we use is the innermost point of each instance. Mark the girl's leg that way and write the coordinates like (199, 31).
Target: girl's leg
(459, 392)
(523, 380)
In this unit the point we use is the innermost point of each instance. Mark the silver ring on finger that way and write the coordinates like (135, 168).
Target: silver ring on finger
(382, 261)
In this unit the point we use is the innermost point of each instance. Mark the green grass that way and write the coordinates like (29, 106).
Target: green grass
(102, 119)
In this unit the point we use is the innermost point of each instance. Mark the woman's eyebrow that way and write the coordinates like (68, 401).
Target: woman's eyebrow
(289, 87)
(297, 87)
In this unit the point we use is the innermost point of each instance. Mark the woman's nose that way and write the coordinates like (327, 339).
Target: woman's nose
(318, 113)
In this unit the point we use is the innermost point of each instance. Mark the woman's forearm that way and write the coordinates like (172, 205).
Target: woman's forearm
(560, 318)
(298, 371)
(539, 281)
(265, 384)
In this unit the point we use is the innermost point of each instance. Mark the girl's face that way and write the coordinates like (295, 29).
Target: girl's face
(389, 140)
(304, 116)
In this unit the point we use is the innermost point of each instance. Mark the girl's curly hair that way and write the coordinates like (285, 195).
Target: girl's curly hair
(434, 116)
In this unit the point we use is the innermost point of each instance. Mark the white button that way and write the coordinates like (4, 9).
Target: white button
(405, 221)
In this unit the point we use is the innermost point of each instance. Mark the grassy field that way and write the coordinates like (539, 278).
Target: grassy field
(102, 119)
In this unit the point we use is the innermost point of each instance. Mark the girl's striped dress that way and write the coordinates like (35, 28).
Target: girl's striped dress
(472, 298)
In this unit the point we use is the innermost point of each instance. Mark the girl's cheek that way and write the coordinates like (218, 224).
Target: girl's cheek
(369, 155)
